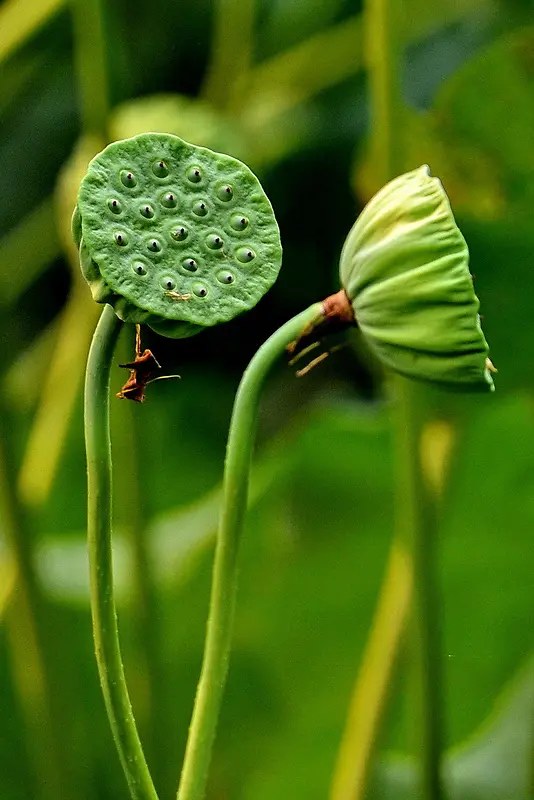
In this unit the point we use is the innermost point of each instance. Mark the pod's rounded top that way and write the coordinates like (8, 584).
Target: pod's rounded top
(175, 235)
(405, 268)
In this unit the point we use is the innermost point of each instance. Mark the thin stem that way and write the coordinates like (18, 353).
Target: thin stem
(417, 529)
(108, 655)
(219, 631)
(147, 609)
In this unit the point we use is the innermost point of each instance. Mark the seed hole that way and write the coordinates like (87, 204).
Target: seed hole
(199, 290)
(190, 264)
(169, 200)
(147, 211)
(194, 175)
(139, 268)
(114, 205)
(225, 277)
(154, 246)
(179, 234)
(225, 193)
(214, 242)
(200, 209)
(168, 283)
(121, 239)
(160, 169)
(128, 179)
(245, 254)
(238, 222)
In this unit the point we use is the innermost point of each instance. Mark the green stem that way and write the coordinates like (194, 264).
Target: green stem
(147, 610)
(417, 529)
(106, 636)
(219, 630)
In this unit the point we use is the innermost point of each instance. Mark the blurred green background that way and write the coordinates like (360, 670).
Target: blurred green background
(283, 86)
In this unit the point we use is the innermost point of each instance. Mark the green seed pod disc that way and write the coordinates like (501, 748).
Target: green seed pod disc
(405, 269)
(173, 211)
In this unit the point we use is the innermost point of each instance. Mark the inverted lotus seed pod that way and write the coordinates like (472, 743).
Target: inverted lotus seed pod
(405, 269)
(156, 228)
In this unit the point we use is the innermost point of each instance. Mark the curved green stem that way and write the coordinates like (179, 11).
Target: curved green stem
(219, 631)
(105, 631)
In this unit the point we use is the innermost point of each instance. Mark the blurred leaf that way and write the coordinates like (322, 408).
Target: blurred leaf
(468, 174)
(26, 251)
(501, 260)
(496, 84)
(494, 764)
(21, 19)
(292, 77)
(16, 77)
(193, 120)
(29, 369)
(289, 22)
(66, 362)
(231, 51)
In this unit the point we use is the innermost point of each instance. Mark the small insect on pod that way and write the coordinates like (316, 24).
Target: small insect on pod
(405, 269)
(174, 235)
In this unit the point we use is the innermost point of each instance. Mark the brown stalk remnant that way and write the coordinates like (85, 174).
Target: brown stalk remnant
(337, 315)
(141, 371)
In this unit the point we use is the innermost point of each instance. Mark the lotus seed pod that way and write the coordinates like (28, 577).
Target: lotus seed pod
(405, 269)
(156, 229)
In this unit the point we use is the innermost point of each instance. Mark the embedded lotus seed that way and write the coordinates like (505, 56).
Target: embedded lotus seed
(225, 277)
(194, 175)
(225, 193)
(245, 254)
(147, 211)
(128, 178)
(199, 289)
(238, 222)
(168, 200)
(214, 242)
(121, 239)
(190, 264)
(114, 205)
(179, 234)
(160, 169)
(154, 246)
(168, 283)
(139, 268)
(200, 209)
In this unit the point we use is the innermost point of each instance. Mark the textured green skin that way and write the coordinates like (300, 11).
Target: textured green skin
(405, 268)
(109, 267)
